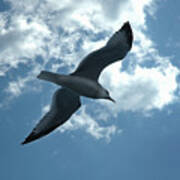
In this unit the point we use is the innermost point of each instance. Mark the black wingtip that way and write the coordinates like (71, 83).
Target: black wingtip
(24, 142)
(127, 23)
(127, 28)
(39, 76)
(30, 138)
(33, 136)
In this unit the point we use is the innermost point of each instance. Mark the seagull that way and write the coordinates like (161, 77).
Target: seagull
(82, 82)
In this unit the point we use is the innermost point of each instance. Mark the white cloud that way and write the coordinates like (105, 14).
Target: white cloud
(15, 87)
(62, 32)
(85, 121)
(143, 89)
(21, 43)
(45, 28)
(116, 6)
(21, 84)
(45, 109)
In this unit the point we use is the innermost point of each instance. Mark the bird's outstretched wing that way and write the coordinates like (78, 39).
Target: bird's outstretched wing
(65, 102)
(116, 49)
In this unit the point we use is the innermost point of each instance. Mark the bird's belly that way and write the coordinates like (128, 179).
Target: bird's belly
(82, 86)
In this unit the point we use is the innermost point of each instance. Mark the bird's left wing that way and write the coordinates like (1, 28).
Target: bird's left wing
(116, 49)
(65, 102)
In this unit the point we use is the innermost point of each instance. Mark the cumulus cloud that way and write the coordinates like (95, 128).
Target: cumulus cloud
(117, 7)
(56, 35)
(143, 89)
(54, 29)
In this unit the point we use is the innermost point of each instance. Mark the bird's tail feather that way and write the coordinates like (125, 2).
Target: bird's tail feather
(48, 76)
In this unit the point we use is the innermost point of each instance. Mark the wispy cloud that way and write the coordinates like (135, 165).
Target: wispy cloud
(85, 121)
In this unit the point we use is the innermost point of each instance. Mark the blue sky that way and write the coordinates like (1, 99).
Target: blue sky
(136, 138)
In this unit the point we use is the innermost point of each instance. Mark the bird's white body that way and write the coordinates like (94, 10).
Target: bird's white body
(82, 86)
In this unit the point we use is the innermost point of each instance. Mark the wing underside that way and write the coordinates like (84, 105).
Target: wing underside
(116, 49)
(65, 102)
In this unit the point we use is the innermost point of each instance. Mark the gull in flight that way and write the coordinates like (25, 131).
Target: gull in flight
(82, 82)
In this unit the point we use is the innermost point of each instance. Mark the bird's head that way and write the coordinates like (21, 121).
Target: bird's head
(106, 95)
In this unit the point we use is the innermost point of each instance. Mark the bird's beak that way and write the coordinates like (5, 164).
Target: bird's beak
(111, 99)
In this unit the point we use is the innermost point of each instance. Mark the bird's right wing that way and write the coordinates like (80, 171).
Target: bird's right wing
(116, 49)
(65, 102)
